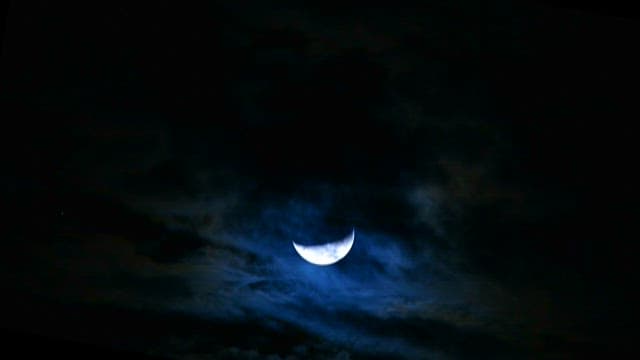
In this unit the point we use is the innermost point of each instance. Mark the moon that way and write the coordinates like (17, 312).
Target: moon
(326, 254)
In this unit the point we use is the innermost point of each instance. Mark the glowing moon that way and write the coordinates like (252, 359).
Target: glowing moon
(326, 254)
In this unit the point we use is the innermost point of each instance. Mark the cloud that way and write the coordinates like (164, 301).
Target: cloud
(103, 268)
(250, 270)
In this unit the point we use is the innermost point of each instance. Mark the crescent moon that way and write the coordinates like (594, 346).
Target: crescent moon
(326, 254)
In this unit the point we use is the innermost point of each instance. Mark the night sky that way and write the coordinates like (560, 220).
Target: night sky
(159, 160)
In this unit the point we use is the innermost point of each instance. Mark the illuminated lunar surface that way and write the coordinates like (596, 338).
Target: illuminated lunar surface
(326, 254)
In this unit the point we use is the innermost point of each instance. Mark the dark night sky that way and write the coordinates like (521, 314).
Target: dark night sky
(162, 158)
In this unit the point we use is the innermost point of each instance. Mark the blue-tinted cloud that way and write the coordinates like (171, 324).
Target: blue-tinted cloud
(252, 271)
